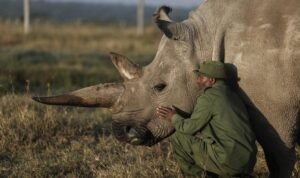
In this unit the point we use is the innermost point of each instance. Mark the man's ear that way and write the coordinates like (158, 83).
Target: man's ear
(213, 80)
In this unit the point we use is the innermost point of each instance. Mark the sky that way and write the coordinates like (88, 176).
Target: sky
(172, 3)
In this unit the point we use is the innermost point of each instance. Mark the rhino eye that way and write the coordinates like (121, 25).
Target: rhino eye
(159, 87)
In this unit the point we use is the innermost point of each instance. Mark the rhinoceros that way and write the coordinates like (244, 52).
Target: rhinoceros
(259, 39)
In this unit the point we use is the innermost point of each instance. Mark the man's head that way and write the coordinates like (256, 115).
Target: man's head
(209, 73)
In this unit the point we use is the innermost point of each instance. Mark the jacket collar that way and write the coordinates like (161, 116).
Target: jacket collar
(219, 83)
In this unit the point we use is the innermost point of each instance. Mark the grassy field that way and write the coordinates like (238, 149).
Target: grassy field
(67, 56)
(47, 141)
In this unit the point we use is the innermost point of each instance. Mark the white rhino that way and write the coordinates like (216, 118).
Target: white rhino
(259, 39)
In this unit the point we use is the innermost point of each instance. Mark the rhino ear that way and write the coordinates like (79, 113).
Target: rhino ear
(173, 30)
(126, 68)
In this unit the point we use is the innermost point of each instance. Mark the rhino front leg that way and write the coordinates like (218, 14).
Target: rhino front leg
(279, 150)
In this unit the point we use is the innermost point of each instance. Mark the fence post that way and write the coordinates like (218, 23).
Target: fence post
(26, 7)
(140, 17)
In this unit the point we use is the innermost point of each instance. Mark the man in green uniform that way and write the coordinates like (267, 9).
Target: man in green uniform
(217, 138)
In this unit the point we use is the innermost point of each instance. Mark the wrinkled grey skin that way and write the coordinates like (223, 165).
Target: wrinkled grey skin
(260, 39)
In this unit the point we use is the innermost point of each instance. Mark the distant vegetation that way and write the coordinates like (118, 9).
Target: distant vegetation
(64, 58)
(81, 12)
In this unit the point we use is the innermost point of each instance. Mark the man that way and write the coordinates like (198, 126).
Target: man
(217, 138)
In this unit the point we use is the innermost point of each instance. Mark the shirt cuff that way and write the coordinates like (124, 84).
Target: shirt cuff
(176, 119)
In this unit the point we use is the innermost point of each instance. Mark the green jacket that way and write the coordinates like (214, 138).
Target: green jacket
(220, 120)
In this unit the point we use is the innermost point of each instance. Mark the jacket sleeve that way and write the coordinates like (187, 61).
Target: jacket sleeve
(200, 117)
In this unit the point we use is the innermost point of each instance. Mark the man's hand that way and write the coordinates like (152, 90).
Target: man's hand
(165, 112)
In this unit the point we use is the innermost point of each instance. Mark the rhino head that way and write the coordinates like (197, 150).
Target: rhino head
(168, 80)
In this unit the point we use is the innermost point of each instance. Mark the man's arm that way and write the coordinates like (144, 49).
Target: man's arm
(182, 113)
(199, 118)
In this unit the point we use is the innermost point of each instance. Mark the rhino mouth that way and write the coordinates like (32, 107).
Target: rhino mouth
(133, 134)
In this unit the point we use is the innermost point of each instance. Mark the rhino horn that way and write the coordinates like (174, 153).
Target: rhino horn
(126, 68)
(102, 95)
(173, 30)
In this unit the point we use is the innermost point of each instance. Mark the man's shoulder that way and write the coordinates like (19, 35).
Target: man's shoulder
(207, 94)
(204, 92)
(213, 91)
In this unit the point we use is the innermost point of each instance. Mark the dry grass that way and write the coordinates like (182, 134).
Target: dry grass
(43, 141)
(64, 53)
(80, 38)
(46, 141)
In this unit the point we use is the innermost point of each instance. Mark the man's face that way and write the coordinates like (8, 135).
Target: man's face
(204, 81)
